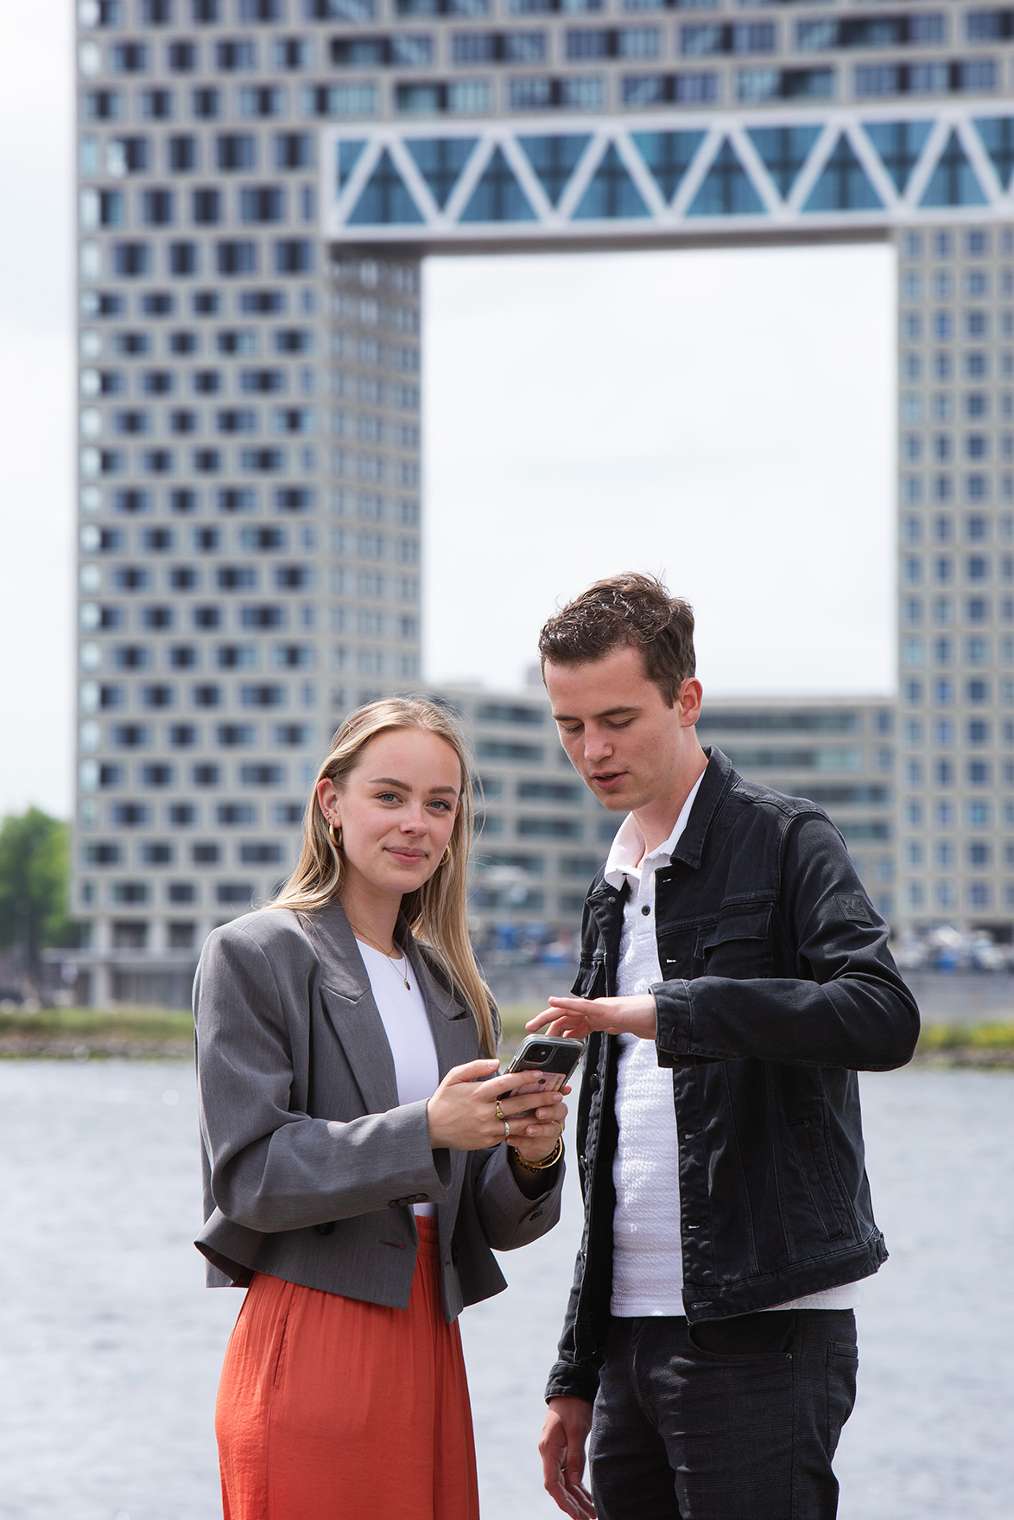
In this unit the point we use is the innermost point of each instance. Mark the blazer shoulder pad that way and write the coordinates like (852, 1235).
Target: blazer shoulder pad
(273, 930)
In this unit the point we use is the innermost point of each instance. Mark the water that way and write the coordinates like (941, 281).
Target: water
(110, 1346)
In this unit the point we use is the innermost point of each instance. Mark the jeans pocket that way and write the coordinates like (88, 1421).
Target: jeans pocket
(842, 1368)
(746, 1337)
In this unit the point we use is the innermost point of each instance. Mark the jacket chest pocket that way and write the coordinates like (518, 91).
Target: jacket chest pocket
(738, 945)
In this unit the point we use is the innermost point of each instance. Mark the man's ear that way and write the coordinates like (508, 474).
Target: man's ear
(691, 695)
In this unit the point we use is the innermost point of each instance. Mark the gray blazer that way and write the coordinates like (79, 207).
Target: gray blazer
(310, 1163)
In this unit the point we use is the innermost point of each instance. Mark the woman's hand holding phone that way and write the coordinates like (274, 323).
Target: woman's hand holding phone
(462, 1113)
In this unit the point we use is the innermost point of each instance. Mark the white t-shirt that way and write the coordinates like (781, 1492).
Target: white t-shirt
(407, 1027)
(647, 1255)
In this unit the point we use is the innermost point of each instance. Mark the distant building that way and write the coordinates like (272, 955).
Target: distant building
(258, 181)
(840, 753)
(544, 835)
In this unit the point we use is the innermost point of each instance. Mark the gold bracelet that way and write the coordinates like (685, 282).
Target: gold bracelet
(546, 1163)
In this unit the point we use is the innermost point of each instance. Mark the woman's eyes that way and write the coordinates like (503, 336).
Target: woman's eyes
(438, 802)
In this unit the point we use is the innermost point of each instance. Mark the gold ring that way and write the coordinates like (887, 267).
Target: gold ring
(499, 1111)
(506, 1130)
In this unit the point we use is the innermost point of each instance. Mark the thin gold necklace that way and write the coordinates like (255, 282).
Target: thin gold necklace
(400, 969)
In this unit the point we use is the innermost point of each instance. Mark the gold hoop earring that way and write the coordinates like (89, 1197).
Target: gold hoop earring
(335, 833)
(446, 856)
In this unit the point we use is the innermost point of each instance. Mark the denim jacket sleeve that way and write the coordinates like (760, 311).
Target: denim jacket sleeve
(844, 1004)
(570, 1378)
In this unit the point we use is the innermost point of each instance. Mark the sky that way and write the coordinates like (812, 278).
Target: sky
(724, 419)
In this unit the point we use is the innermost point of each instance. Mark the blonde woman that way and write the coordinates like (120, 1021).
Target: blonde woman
(361, 1157)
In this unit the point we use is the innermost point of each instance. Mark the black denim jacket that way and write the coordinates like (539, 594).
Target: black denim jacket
(778, 987)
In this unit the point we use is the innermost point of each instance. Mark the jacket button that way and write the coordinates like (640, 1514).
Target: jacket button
(593, 1081)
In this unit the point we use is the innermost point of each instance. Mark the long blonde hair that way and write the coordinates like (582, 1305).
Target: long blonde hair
(437, 912)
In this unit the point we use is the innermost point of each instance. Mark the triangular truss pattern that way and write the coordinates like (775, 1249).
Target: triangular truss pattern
(611, 192)
(440, 161)
(499, 196)
(783, 152)
(996, 134)
(668, 156)
(954, 181)
(554, 157)
(350, 151)
(726, 189)
(899, 146)
(385, 199)
(843, 184)
(641, 171)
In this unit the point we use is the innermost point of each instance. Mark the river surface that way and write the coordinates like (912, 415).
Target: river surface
(110, 1346)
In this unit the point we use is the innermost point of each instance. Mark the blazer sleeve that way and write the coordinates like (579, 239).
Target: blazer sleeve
(273, 1167)
(510, 1218)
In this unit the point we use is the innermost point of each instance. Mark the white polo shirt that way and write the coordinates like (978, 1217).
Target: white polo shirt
(647, 1255)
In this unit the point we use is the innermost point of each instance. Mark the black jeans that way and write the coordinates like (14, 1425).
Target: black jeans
(733, 1419)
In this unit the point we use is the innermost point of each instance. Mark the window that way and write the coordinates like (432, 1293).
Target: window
(183, 259)
(205, 103)
(181, 153)
(235, 53)
(262, 203)
(103, 105)
(294, 150)
(156, 105)
(236, 256)
(292, 52)
(181, 57)
(293, 256)
(131, 260)
(262, 100)
(206, 206)
(128, 57)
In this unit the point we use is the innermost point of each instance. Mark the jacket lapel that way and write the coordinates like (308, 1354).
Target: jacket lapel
(351, 1008)
(452, 1025)
(353, 1014)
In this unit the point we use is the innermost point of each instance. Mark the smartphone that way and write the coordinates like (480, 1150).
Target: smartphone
(549, 1055)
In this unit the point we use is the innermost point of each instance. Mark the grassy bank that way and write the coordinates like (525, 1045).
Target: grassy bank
(140, 1033)
(157, 1033)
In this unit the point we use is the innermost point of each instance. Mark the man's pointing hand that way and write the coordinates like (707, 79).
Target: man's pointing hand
(576, 1018)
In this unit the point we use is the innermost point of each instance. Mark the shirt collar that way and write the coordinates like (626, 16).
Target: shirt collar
(624, 860)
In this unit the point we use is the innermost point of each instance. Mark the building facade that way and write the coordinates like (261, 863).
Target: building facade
(543, 835)
(258, 181)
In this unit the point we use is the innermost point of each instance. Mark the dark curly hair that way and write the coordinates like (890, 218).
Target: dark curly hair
(629, 610)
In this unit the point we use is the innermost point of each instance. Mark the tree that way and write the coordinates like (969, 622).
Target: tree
(34, 880)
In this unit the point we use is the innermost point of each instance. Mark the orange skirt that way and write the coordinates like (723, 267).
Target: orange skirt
(333, 1409)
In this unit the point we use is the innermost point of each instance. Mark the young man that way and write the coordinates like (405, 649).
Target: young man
(734, 978)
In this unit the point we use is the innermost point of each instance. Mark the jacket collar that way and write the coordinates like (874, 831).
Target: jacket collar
(353, 1014)
(716, 780)
(344, 970)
